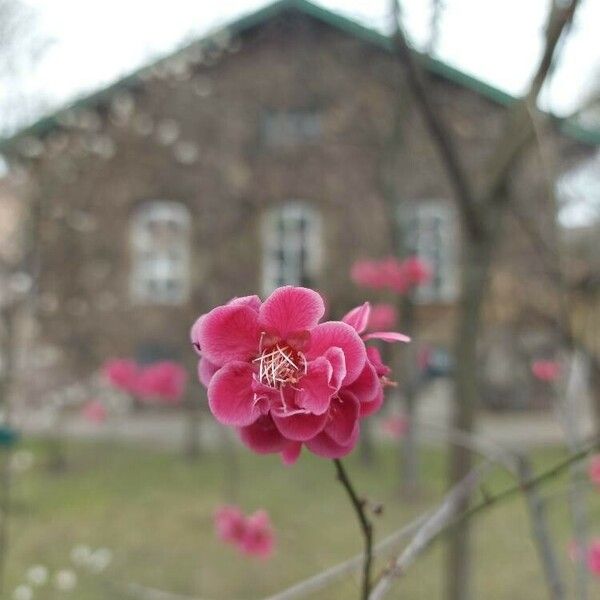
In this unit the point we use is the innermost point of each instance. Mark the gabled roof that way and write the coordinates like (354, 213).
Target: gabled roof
(328, 17)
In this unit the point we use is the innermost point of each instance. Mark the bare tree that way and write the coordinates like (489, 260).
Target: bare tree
(482, 199)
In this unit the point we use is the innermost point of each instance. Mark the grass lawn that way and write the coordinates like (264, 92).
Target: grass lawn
(154, 511)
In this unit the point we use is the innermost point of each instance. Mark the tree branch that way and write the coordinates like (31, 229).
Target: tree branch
(365, 525)
(437, 128)
(446, 518)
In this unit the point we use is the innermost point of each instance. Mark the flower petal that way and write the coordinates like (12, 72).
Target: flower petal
(371, 407)
(253, 302)
(291, 309)
(263, 437)
(230, 395)
(387, 336)
(228, 333)
(323, 445)
(336, 358)
(343, 418)
(290, 453)
(298, 427)
(337, 334)
(316, 388)
(206, 370)
(358, 317)
(194, 333)
(366, 386)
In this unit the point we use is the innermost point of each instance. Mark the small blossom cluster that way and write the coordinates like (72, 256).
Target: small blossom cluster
(160, 382)
(284, 380)
(547, 371)
(591, 555)
(252, 535)
(399, 276)
(594, 470)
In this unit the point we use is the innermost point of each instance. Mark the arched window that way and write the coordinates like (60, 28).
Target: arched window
(160, 247)
(292, 246)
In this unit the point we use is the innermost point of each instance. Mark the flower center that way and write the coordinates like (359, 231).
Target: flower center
(280, 365)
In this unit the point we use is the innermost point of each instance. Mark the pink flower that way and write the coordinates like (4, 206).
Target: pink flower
(230, 524)
(383, 316)
(400, 276)
(546, 370)
(283, 379)
(594, 469)
(94, 411)
(163, 382)
(122, 374)
(593, 557)
(367, 273)
(258, 539)
(394, 426)
(416, 271)
(252, 535)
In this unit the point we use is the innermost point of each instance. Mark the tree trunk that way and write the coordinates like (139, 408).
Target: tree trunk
(475, 268)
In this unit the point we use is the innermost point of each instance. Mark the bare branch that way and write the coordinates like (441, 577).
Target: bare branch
(437, 128)
(321, 580)
(520, 129)
(446, 517)
(541, 536)
(437, 523)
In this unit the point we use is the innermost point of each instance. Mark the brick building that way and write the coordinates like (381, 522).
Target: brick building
(255, 157)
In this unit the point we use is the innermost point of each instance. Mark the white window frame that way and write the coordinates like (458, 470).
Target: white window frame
(291, 254)
(419, 220)
(160, 275)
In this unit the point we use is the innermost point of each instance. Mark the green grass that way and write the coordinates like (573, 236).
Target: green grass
(154, 510)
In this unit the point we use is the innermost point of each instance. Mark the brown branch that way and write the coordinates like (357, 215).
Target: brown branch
(437, 128)
(445, 518)
(365, 525)
(539, 531)
(520, 129)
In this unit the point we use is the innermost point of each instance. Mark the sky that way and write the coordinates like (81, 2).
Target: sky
(94, 42)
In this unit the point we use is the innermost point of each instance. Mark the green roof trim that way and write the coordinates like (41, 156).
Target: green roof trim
(335, 20)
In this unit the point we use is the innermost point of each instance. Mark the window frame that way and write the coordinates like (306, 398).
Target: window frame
(281, 242)
(156, 269)
(413, 217)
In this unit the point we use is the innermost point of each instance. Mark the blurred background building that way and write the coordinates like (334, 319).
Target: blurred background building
(256, 157)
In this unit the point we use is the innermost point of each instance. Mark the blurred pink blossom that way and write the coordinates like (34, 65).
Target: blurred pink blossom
(94, 411)
(394, 426)
(594, 469)
(258, 539)
(230, 524)
(252, 535)
(546, 370)
(162, 382)
(593, 557)
(400, 276)
(122, 373)
(416, 270)
(367, 273)
(383, 316)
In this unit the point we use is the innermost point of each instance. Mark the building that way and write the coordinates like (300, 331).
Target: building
(255, 157)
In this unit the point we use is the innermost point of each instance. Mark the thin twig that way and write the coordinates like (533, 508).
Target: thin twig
(445, 518)
(365, 525)
(539, 531)
(317, 582)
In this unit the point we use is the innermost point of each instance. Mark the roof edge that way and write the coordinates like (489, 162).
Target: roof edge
(335, 20)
